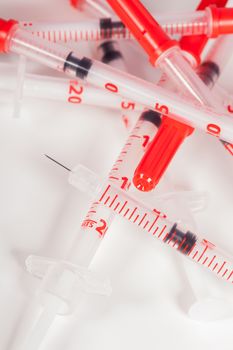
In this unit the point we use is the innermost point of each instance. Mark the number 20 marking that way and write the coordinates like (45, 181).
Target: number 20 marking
(74, 91)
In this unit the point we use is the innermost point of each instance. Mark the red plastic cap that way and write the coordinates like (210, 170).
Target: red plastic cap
(205, 3)
(5, 29)
(222, 21)
(74, 3)
(143, 26)
(196, 43)
(160, 152)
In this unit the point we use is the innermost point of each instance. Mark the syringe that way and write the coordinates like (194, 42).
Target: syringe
(84, 247)
(14, 39)
(171, 133)
(171, 200)
(155, 222)
(220, 53)
(213, 66)
(60, 89)
(206, 306)
(179, 207)
(212, 22)
(86, 243)
(63, 278)
(153, 165)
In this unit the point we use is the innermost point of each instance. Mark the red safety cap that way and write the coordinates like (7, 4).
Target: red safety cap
(74, 3)
(222, 21)
(143, 26)
(205, 3)
(195, 44)
(159, 154)
(5, 28)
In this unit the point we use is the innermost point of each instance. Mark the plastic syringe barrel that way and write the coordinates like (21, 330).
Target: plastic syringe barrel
(171, 135)
(114, 81)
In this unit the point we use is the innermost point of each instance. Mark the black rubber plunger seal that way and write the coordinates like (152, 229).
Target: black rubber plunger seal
(152, 116)
(107, 27)
(110, 53)
(208, 72)
(184, 240)
(80, 67)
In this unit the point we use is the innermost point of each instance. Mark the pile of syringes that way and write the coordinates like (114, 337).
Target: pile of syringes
(161, 116)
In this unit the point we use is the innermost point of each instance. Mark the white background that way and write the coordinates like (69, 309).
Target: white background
(40, 213)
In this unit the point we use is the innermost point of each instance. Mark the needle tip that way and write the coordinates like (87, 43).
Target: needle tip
(55, 161)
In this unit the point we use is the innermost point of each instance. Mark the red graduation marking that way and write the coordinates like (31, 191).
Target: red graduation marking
(123, 206)
(212, 261)
(222, 266)
(113, 200)
(162, 231)
(230, 275)
(104, 193)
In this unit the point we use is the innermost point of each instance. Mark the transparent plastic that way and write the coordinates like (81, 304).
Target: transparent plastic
(62, 285)
(18, 95)
(167, 102)
(28, 45)
(182, 23)
(98, 74)
(154, 163)
(221, 51)
(209, 305)
(185, 23)
(25, 85)
(179, 206)
(201, 251)
(98, 219)
(185, 79)
(63, 280)
(94, 6)
(109, 51)
(226, 97)
(212, 68)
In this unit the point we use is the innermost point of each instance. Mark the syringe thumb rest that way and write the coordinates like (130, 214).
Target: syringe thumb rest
(144, 27)
(159, 153)
(5, 30)
(65, 281)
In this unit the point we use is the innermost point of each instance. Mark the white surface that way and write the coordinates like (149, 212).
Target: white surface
(40, 214)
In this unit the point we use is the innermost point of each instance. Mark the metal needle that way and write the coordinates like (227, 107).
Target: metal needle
(55, 161)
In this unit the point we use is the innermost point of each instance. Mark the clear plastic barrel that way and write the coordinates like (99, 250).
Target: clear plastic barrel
(221, 51)
(24, 43)
(94, 7)
(178, 69)
(185, 23)
(117, 82)
(190, 23)
(159, 225)
(163, 101)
